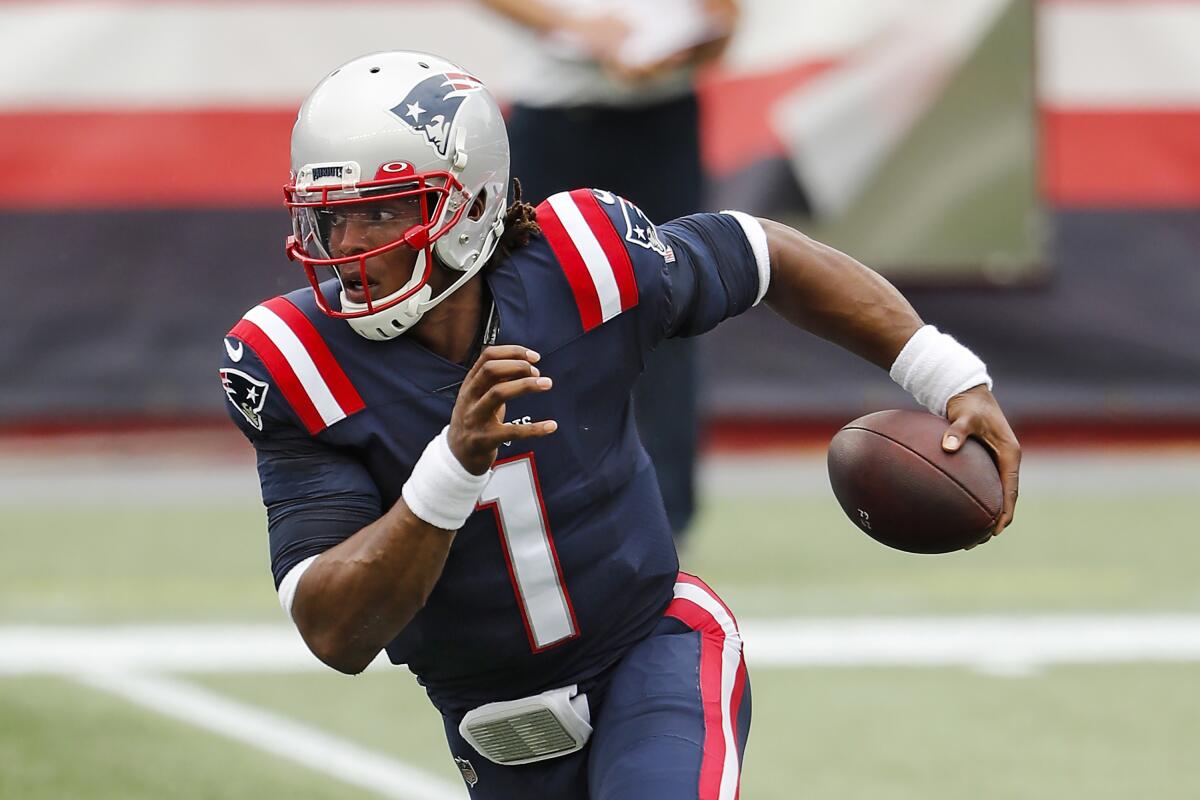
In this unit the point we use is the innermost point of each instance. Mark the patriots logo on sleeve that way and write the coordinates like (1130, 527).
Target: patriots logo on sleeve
(640, 230)
(433, 103)
(246, 393)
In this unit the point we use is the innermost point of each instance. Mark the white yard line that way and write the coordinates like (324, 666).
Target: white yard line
(985, 642)
(990, 643)
(155, 648)
(127, 661)
(275, 734)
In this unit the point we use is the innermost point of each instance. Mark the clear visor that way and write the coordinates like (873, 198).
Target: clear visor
(347, 227)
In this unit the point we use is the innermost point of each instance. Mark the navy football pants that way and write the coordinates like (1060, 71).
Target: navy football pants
(670, 723)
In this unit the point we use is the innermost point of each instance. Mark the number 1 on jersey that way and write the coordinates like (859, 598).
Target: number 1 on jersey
(516, 498)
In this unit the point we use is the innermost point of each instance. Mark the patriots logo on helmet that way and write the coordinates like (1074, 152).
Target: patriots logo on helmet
(246, 393)
(432, 104)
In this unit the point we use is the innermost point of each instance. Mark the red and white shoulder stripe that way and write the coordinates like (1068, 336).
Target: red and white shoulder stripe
(300, 363)
(592, 254)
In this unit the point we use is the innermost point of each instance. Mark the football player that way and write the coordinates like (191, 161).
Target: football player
(447, 452)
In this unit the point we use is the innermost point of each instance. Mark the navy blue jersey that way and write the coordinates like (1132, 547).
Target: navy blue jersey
(568, 559)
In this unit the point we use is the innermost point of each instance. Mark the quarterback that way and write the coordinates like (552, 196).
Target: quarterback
(446, 448)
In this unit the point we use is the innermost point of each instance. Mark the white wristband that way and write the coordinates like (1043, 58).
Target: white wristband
(933, 367)
(440, 491)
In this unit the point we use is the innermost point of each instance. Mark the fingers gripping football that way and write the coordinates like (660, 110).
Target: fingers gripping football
(975, 412)
(502, 373)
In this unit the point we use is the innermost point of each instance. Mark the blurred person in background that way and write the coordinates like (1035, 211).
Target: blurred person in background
(604, 96)
(447, 452)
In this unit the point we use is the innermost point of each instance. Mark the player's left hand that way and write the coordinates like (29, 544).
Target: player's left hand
(975, 412)
(477, 428)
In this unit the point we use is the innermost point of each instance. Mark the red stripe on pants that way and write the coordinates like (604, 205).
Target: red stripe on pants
(712, 647)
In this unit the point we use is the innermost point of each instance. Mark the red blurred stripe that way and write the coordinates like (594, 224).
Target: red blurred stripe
(212, 431)
(735, 113)
(1148, 159)
(139, 158)
(227, 157)
(134, 159)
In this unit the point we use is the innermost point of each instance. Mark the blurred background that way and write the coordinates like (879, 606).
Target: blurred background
(1028, 172)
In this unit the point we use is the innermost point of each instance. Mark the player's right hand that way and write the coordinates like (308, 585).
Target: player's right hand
(477, 429)
(975, 412)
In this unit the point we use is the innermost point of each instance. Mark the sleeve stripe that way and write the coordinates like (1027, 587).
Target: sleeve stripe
(613, 245)
(283, 375)
(592, 254)
(293, 367)
(757, 238)
(577, 274)
(298, 361)
(334, 376)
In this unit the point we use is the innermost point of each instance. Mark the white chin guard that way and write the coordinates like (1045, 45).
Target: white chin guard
(392, 322)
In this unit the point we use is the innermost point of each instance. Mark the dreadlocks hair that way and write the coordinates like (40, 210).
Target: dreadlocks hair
(520, 226)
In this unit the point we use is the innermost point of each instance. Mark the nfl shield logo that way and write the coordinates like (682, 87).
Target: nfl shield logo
(468, 772)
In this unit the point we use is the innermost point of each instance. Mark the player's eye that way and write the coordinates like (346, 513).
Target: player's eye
(331, 219)
(406, 212)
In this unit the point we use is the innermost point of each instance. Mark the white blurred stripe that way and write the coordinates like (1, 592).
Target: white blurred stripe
(987, 642)
(129, 55)
(195, 648)
(983, 641)
(310, 748)
(841, 126)
(133, 54)
(1119, 55)
(771, 33)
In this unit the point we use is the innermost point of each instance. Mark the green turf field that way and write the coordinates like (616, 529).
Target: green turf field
(1119, 541)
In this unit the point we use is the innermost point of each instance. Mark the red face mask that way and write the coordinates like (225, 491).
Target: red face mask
(341, 228)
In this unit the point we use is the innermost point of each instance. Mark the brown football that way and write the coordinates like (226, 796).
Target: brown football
(895, 482)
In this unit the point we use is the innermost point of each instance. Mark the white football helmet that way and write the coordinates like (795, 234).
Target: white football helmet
(392, 125)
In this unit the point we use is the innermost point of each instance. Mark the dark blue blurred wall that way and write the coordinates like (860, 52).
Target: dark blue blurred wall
(118, 316)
